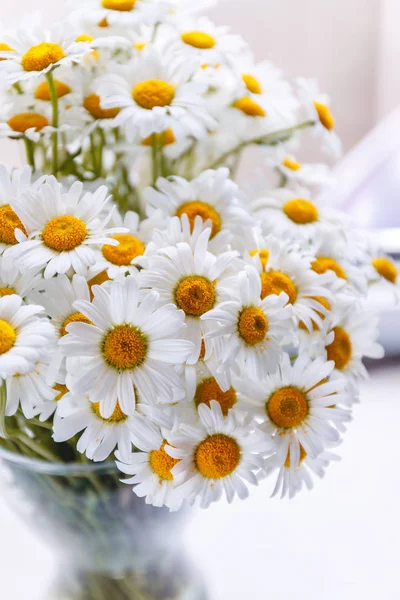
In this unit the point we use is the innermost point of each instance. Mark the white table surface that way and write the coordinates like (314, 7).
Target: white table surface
(339, 542)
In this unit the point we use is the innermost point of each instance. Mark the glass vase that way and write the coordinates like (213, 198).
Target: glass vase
(109, 543)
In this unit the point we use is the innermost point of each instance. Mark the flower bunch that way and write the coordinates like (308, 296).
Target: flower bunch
(207, 335)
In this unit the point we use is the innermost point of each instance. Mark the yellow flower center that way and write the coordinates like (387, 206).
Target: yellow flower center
(62, 389)
(140, 45)
(125, 347)
(29, 120)
(322, 264)
(42, 56)
(42, 91)
(203, 210)
(340, 351)
(301, 211)
(263, 255)
(386, 268)
(5, 48)
(325, 304)
(8, 336)
(303, 455)
(103, 23)
(153, 92)
(6, 291)
(121, 5)
(74, 318)
(252, 84)
(287, 407)
(117, 417)
(275, 282)
(64, 233)
(162, 463)
(129, 248)
(198, 39)
(291, 164)
(217, 456)
(209, 390)
(92, 105)
(252, 325)
(163, 139)
(9, 221)
(325, 115)
(249, 107)
(98, 279)
(84, 38)
(195, 295)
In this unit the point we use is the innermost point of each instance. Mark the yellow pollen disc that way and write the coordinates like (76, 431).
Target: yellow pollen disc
(74, 318)
(42, 91)
(6, 291)
(203, 210)
(325, 304)
(287, 407)
(209, 390)
(64, 233)
(98, 279)
(291, 164)
(301, 211)
(163, 139)
(386, 268)
(153, 92)
(103, 23)
(84, 38)
(62, 389)
(92, 105)
(8, 335)
(5, 48)
(125, 347)
(198, 39)
(117, 417)
(42, 56)
(195, 295)
(340, 351)
(9, 221)
(249, 107)
(217, 456)
(252, 325)
(162, 463)
(263, 255)
(322, 264)
(140, 45)
(252, 84)
(129, 248)
(24, 121)
(303, 455)
(275, 282)
(325, 115)
(121, 5)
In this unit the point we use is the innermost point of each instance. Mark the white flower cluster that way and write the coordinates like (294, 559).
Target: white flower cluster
(207, 336)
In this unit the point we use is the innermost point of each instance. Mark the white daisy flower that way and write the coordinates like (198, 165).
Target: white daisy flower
(293, 213)
(60, 397)
(154, 93)
(121, 259)
(14, 282)
(101, 435)
(151, 468)
(212, 196)
(119, 13)
(24, 337)
(253, 330)
(60, 229)
(297, 407)
(291, 169)
(216, 456)
(38, 51)
(353, 336)
(317, 106)
(381, 268)
(130, 345)
(29, 389)
(191, 280)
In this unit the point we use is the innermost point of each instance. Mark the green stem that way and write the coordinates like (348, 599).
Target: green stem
(30, 153)
(93, 155)
(154, 156)
(54, 105)
(35, 447)
(267, 140)
(3, 404)
(163, 162)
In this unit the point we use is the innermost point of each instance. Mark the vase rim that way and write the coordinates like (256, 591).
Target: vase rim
(55, 468)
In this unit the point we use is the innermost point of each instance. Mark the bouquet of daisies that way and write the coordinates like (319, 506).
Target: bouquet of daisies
(203, 335)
